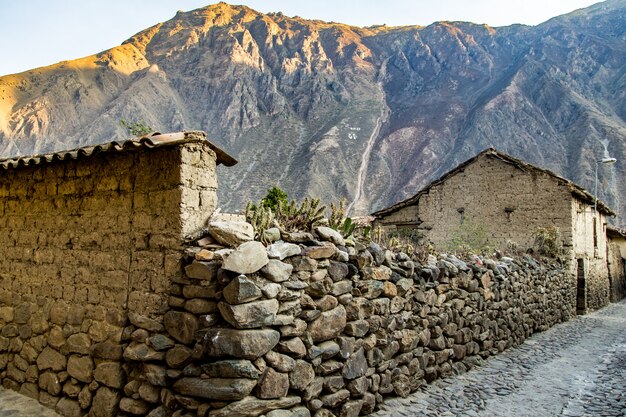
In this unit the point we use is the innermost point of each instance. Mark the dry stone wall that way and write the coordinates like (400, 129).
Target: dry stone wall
(83, 243)
(462, 210)
(104, 311)
(316, 325)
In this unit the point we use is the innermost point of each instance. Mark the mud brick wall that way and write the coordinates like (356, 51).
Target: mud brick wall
(85, 243)
(593, 252)
(509, 204)
(525, 201)
(315, 325)
(617, 266)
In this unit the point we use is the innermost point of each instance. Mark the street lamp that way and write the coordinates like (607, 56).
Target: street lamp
(607, 161)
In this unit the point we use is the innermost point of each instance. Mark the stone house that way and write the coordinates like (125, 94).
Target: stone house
(509, 200)
(617, 262)
(91, 238)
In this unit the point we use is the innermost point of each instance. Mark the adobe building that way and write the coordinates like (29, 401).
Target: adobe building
(617, 262)
(91, 239)
(510, 199)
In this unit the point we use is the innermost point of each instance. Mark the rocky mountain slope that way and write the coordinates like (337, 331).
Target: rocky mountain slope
(369, 114)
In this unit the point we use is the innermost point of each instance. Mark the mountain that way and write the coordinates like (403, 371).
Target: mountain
(326, 109)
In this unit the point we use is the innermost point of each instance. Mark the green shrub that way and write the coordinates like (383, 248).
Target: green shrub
(274, 197)
(547, 241)
(136, 128)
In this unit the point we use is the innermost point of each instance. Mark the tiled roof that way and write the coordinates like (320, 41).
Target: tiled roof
(612, 231)
(154, 140)
(577, 191)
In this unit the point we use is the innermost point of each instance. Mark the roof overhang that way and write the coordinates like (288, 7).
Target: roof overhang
(153, 140)
(577, 191)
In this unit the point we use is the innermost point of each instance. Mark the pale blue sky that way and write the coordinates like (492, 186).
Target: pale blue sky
(35, 33)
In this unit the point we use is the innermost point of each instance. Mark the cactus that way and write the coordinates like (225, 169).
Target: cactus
(261, 218)
(305, 217)
(347, 229)
(337, 214)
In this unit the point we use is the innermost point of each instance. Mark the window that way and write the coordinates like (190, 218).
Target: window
(461, 211)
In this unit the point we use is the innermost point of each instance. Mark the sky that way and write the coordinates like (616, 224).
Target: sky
(35, 33)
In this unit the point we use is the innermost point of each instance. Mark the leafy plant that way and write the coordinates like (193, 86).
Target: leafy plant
(367, 233)
(274, 197)
(547, 241)
(136, 128)
(338, 220)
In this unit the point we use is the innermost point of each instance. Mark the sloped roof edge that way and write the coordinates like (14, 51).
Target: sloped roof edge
(153, 140)
(612, 231)
(577, 191)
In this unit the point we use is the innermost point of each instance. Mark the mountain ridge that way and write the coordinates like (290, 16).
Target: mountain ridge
(328, 109)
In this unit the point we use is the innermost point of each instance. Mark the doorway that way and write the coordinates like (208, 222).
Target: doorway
(581, 290)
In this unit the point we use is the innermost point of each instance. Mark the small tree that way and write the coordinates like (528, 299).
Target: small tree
(274, 198)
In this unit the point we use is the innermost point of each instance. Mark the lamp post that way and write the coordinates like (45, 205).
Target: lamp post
(595, 195)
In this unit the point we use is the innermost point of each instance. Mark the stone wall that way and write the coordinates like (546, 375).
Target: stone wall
(317, 325)
(105, 312)
(526, 201)
(84, 242)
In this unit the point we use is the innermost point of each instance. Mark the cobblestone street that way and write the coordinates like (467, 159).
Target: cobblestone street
(576, 368)
(13, 404)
